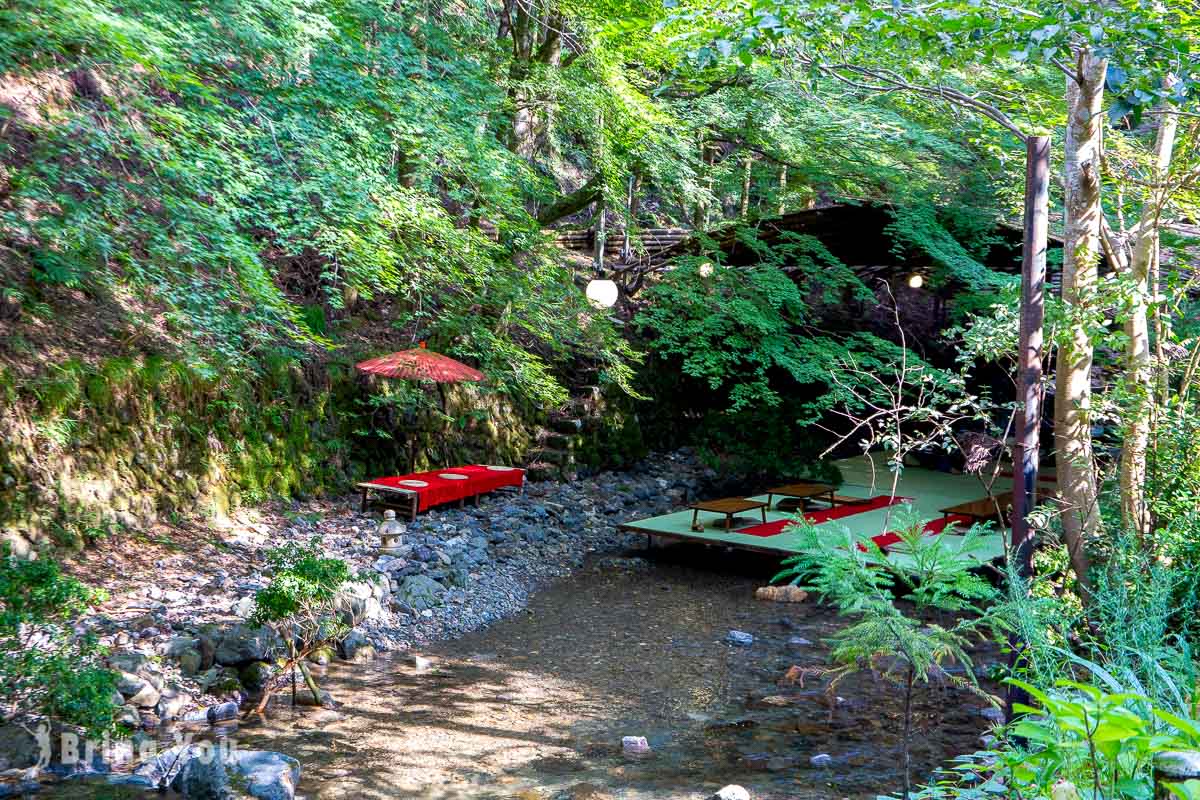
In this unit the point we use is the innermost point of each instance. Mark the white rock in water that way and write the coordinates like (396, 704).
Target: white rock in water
(244, 607)
(821, 760)
(421, 663)
(731, 792)
(635, 745)
(740, 638)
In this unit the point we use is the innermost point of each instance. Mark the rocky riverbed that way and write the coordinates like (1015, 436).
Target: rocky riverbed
(180, 595)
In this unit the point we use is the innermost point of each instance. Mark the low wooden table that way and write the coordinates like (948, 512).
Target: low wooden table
(803, 490)
(984, 509)
(729, 506)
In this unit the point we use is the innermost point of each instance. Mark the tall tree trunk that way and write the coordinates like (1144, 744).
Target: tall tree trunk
(1139, 375)
(782, 186)
(635, 182)
(747, 174)
(1081, 252)
(571, 203)
(534, 41)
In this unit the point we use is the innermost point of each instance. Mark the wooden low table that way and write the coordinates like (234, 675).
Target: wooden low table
(984, 509)
(729, 506)
(802, 491)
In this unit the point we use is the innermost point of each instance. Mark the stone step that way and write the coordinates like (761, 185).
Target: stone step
(571, 426)
(551, 456)
(541, 471)
(556, 440)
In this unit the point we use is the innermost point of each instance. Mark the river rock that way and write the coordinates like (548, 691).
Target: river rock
(739, 638)
(243, 607)
(203, 777)
(127, 662)
(266, 775)
(321, 656)
(356, 647)
(172, 703)
(137, 690)
(730, 792)
(242, 644)
(18, 748)
(992, 714)
(635, 746)
(304, 697)
(255, 675)
(821, 760)
(200, 772)
(419, 592)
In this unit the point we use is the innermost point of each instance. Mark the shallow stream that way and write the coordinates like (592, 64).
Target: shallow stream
(535, 707)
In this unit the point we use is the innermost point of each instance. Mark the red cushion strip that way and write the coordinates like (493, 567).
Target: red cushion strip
(886, 540)
(480, 480)
(824, 515)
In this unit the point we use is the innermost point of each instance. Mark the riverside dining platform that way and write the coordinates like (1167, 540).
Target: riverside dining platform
(420, 491)
(863, 505)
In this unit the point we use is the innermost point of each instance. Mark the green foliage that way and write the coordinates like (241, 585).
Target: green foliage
(264, 161)
(932, 573)
(737, 328)
(860, 580)
(1174, 485)
(1098, 743)
(303, 586)
(45, 667)
(918, 231)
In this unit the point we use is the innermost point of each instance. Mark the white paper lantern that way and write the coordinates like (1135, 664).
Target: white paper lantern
(705, 269)
(602, 294)
(916, 280)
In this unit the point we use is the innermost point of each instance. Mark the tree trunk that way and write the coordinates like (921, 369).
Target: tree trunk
(1139, 375)
(535, 41)
(568, 204)
(747, 172)
(635, 182)
(782, 186)
(1081, 252)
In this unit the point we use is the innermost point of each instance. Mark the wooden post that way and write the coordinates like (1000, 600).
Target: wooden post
(1029, 357)
(1029, 373)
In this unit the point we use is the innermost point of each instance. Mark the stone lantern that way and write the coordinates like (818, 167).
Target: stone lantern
(391, 534)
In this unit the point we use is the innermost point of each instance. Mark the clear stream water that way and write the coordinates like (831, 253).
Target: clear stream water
(535, 706)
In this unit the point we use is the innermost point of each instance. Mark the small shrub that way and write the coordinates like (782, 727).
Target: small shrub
(45, 667)
(299, 605)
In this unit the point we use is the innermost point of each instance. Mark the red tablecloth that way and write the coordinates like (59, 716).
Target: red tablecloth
(824, 515)
(886, 540)
(479, 480)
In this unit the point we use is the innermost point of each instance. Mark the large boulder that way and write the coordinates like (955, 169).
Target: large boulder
(242, 644)
(255, 675)
(356, 647)
(265, 775)
(203, 777)
(358, 601)
(202, 772)
(19, 749)
(137, 690)
(419, 592)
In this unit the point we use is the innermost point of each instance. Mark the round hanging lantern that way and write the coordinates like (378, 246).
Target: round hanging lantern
(705, 269)
(602, 293)
(916, 280)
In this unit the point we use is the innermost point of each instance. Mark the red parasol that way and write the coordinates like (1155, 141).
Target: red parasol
(421, 365)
